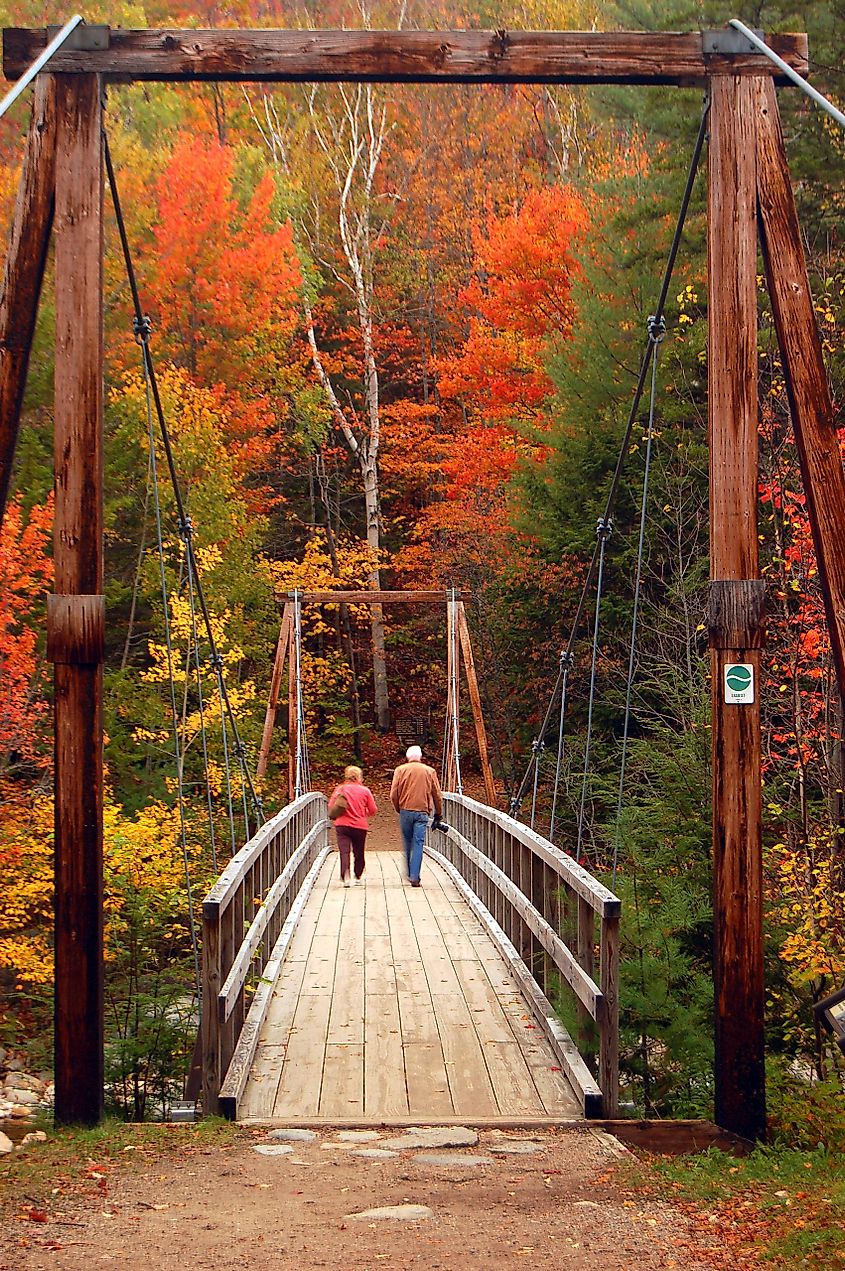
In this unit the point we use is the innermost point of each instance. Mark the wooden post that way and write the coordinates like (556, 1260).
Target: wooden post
(212, 980)
(275, 688)
(609, 1020)
(585, 946)
(803, 367)
(75, 616)
(450, 758)
(475, 701)
(29, 239)
(740, 1104)
(293, 727)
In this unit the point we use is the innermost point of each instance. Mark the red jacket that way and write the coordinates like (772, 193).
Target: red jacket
(360, 805)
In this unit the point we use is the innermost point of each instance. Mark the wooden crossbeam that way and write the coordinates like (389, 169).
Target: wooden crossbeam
(375, 597)
(483, 57)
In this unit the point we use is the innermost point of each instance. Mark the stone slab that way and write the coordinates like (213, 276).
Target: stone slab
(396, 1213)
(517, 1147)
(272, 1149)
(292, 1136)
(374, 1153)
(453, 1159)
(433, 1136)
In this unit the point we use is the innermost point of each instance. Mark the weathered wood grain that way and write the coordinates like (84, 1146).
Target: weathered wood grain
(737, 802)
(78, 560)
(561, 57)
(803, 366)
(736, 613)
(76, 629)
(29, 239)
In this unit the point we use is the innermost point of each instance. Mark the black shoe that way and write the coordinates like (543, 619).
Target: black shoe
(415, 882)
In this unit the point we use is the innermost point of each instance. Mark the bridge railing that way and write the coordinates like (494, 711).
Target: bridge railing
(248, 918)
(550, 918)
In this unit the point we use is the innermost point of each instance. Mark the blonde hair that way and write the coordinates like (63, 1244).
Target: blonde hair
(352, 773)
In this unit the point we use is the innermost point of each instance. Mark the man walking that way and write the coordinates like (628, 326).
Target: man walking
(414, 793)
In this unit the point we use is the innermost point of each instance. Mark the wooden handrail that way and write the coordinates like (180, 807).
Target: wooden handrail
(243, 959)
(540, 903)
(244, 916)
(573, 875)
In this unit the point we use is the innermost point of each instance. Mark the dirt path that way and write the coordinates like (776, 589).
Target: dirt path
(556, 1204)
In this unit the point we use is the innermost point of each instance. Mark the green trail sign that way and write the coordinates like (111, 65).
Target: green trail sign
(739, 684)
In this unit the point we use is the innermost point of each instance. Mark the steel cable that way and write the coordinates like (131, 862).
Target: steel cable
(656, 335)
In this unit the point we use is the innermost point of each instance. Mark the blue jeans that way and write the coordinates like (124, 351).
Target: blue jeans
(414, 826)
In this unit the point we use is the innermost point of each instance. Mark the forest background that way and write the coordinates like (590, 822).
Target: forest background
(396, 331)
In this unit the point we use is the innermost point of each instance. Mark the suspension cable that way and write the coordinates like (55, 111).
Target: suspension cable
(603, 532)
(656, 332)
(143, 331)
(629, 427)
(177, 746)
(217, 667)
(194, 637)
(538, 748)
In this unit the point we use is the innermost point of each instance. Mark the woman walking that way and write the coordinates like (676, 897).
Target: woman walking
(352, 822)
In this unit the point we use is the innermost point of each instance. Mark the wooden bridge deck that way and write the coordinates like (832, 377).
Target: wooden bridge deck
(393, 1004)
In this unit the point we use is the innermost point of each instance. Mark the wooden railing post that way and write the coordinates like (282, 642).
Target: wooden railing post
(585, 953)
(212, 1074)
(609, 1021)
(231, 932)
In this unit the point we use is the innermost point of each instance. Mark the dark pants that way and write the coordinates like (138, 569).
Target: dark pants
(350, 840)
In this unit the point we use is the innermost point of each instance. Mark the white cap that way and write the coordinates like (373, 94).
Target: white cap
(413, 754)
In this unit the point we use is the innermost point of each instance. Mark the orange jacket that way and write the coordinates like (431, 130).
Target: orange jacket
(415, 788)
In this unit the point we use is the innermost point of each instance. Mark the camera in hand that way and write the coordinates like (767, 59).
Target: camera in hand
(437, 823)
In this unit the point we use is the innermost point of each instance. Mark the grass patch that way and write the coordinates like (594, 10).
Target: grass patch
(74, 1163)
(783, 1205)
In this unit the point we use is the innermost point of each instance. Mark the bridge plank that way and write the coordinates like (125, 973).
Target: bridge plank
(302, 1074)
(385, 1085)
(342, 1088)
(469, 1080)
(513, 1085)
(346, 1021)
(429, 1094)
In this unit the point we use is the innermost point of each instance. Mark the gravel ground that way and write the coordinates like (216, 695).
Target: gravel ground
(544, 1199)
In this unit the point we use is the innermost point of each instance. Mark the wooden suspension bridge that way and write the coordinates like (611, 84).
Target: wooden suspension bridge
(545, 915)
(381, 1003)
